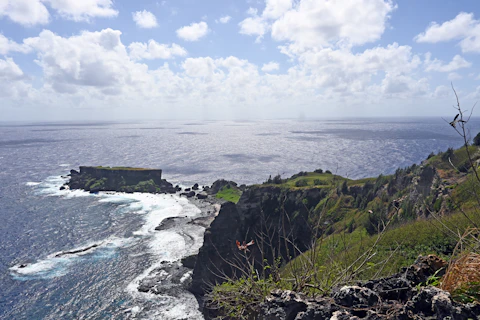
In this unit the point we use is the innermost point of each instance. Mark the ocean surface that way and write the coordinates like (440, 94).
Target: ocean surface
(39, 222)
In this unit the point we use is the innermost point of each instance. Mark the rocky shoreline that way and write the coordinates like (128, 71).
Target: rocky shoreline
(174, 278)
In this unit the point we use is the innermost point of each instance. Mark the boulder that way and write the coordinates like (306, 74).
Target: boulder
(355, 297)
(188, 194)
(202, 195)
(219, 184)
(189, 262)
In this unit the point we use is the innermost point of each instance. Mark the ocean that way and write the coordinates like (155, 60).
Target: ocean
(39, 221)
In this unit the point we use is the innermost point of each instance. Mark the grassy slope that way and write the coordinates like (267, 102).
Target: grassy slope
(401, 244)
(231, 194)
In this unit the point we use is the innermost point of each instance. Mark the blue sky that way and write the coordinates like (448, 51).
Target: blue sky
(242, 59)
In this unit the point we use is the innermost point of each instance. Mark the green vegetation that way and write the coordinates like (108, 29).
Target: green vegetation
(369, 228)
(307, 179)
(229, 193)
(142, 186)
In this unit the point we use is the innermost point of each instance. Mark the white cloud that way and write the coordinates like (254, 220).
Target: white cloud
(91, 59)
(458, 62)
(224, 19)
(199, 67)
(34, 12)
(319, 24)
(463, 27)
(145, 19)
(271, 66)
(307, 24)
(9, 70)
(454, 76)
(83, 10)
(253, 26)
(24, 12)
(7, 45)
(274, 9)
(155, 50)
(449, 30)
(12, 78)
(96, 68)
(442, 92)
(193, 32)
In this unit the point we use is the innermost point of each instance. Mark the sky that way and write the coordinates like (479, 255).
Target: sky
(236, 59)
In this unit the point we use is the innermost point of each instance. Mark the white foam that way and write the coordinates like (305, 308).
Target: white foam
(166, 245)
(56, 264)
(49, 268)
(32, 184)
(184, 306)
(64, 165)
(186, 276)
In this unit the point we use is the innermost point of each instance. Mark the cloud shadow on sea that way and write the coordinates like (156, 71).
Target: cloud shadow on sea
(26, 143)
(193, 133)
(363, 134)
(245, 158)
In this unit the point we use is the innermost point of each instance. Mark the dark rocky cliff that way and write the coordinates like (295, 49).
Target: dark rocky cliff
(121, 179)
(268, 210)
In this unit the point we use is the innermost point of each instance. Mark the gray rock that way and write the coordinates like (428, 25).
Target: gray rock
(202, 195)
(355, 297)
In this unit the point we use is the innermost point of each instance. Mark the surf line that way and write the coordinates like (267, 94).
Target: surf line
(64, 253)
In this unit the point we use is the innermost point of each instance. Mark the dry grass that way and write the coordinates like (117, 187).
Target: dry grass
(462, 272)
(462, 277)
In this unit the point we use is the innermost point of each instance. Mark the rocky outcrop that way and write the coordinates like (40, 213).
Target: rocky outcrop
(400, 296)
(122, 179)
(261, 209)
(218, 185)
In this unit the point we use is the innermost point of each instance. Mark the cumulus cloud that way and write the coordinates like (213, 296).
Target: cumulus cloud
(307, 24)
(463, 27)
(9, 70)
(25, 12)
(274, 9)
(145, 19)
(92, 59)
(34, 12)
(7, 46)
(199, 67)
(11, 79)
(83, 10)
(458, 62)
(454, 76)
(253, 26)
(193, 32)
(271, 66)
(224, 19)
(403, 86)
(155, 50)
(325, 23)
